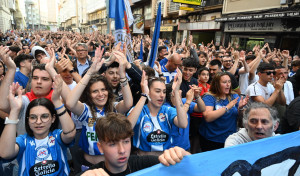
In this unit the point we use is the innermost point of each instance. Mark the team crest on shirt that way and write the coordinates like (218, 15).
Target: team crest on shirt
(162, 117)
(42, 153)
(91, 122)
(147, 127)
(51, 141)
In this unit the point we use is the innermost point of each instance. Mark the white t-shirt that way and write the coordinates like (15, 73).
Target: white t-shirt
(288, 92)
(256, 89)
(42, 150)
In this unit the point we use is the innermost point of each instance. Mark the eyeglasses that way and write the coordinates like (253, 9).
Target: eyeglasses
(270, 72)
(44, 118)
(220, 56)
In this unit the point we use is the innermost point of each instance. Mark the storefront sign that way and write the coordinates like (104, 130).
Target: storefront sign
(138, 24)
(193, 2)
(207, 25)
(260, 16)
(257, 26)
(164, 28)
(186, 8)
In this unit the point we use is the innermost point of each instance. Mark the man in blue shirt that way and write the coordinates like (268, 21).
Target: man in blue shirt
(23, 61)
(169, 70)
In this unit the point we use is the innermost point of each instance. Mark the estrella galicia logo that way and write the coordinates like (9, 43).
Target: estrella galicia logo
(285, 162)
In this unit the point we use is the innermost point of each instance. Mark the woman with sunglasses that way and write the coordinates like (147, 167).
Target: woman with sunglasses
(222, 108)
(152, 121)
(96, 99)
(42, 151)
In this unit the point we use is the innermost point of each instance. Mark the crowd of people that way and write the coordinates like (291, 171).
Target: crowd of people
(71, 103)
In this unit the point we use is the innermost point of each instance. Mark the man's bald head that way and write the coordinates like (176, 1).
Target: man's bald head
(174, 62)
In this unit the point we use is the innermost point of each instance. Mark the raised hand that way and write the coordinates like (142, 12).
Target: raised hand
(15, 103)
(144, 83)
(158, 68)
(232, 103)
(189, 96)
(285, 53)
(177, 80)
(95, 67)
(57, 88)
(243, 102)
(4, 55)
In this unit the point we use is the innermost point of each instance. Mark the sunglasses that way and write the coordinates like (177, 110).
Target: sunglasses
(270, 72)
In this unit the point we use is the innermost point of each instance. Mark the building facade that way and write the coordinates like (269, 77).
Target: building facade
(256, 22)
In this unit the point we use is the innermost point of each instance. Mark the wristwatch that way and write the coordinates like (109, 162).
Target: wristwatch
(8, 121)
(226, 109)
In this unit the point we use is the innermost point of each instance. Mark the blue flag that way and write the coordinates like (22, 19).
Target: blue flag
(154, 45)
(112, 8)
(278, 155)
(141, 51)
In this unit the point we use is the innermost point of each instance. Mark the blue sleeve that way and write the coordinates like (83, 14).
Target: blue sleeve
(192, 106)
(57, 135)
(172, 113)
(209, 100)
(84, 114)
(20, 140)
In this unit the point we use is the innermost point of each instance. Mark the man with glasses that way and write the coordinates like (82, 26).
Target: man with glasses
(82, 60)
(219, 56)
(263, 91)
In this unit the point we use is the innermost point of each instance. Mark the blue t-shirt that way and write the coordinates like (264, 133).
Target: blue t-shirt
(180, 136)
(168, 75)
(163, 62)
(29, 154)
(21, 79)
(219, 129)
(153, 133)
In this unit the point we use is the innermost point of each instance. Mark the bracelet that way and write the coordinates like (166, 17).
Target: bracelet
(160, 75)
(70, 131)
(144, 95)
(197, 98)
(8, 121)
(60, 107)
(123, 84)
(124, 80)
(226, 109)
(62, 113)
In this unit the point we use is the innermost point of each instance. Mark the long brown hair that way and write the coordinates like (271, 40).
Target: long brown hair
(215, 87)
(86, 95)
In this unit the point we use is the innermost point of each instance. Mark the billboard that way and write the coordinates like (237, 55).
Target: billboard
(192, 2)
(138, 24)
